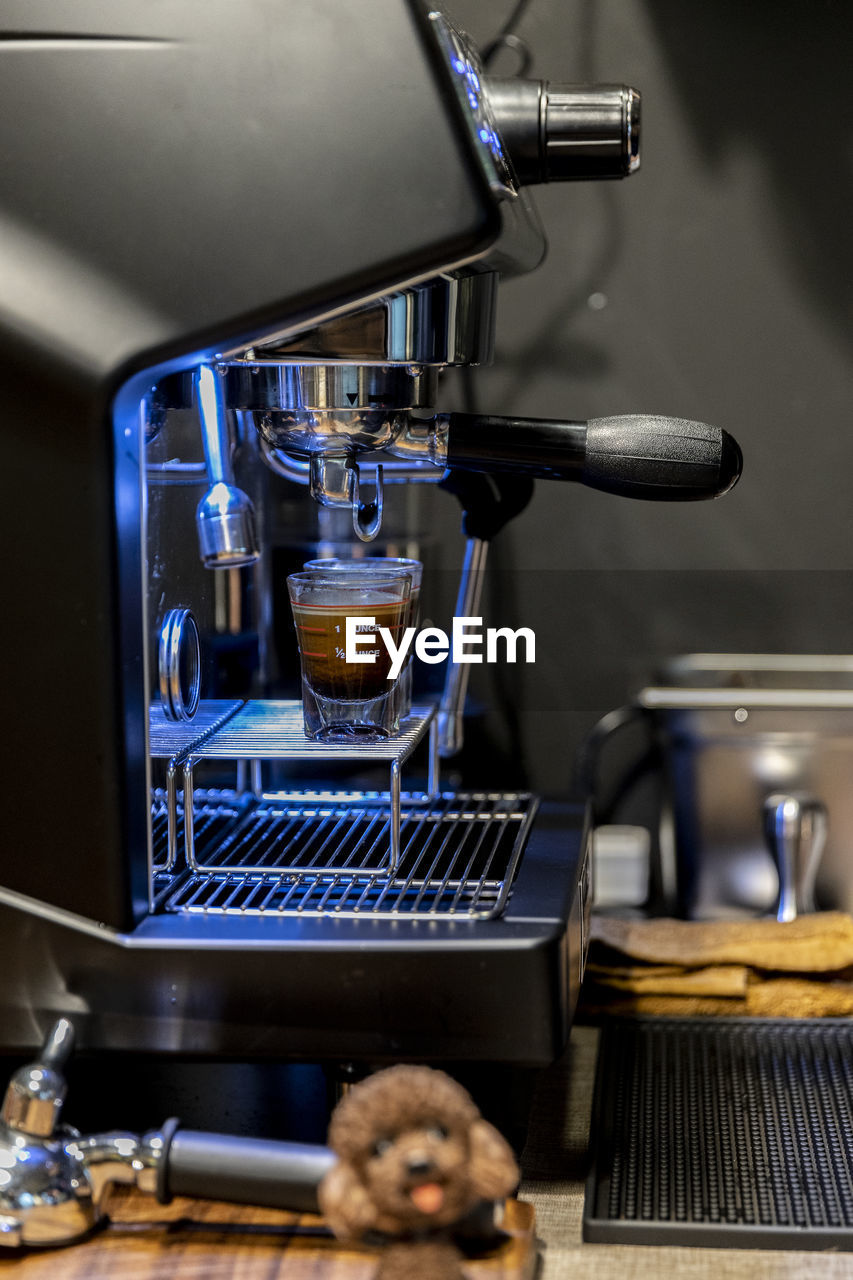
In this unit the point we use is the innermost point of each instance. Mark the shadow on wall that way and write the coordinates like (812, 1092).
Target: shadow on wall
(728, 301)
(784, 63)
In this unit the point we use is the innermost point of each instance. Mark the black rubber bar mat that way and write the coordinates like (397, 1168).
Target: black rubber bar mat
(735, 1133)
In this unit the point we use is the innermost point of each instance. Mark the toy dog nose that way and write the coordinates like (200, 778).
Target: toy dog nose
(419, 1166)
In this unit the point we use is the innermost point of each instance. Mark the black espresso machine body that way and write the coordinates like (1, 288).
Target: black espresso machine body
(182, 181)
(239, 245)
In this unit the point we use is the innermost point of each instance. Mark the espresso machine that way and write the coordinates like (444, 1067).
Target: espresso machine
(240, 245)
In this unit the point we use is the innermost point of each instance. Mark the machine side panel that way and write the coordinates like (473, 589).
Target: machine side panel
(64, 819)
(172, 174)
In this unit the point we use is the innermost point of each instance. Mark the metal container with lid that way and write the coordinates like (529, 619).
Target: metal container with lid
(736, 729)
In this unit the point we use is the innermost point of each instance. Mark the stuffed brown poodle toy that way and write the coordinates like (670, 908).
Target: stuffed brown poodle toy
(414, 1158)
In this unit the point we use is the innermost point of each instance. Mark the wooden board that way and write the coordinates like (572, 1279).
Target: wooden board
(213, 1241)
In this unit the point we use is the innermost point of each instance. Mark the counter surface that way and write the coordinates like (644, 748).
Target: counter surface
(222, 1242)
(193, 1240)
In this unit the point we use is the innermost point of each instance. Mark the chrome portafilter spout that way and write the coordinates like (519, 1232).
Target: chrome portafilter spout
(225, 517)
(336, 482)
(53, 1181)
(316, 422)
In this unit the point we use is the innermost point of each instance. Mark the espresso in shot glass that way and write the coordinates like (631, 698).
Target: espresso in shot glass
(344, 701)
(386, 564)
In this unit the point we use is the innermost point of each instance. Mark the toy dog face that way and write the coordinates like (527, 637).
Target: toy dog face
(414, 1154)
(419, 1173)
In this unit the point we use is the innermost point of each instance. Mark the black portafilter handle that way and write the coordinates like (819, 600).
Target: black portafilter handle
(271, 1175)
(636, 456)
(258, 1171)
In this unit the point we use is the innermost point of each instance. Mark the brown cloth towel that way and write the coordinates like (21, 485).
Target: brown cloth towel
(759, 968)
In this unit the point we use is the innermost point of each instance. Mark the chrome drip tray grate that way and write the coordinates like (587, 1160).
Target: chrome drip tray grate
(214, 814)
(459, 854)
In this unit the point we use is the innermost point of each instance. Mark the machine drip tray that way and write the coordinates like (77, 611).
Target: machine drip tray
(267, 855)
(735, 1133)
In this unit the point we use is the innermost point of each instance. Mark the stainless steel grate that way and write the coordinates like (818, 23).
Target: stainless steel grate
(459, 855)
(214, 813)
(247, 735)
(273, 730)
(174, 741)
(167, 738)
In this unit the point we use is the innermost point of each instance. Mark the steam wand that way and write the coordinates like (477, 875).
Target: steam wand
(53, 1180)
(488, 503)
(225, 517)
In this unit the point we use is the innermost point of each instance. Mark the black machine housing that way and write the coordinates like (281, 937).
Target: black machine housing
(182, 180)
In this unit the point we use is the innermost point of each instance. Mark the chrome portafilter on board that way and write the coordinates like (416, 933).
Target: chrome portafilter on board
(53, 1180)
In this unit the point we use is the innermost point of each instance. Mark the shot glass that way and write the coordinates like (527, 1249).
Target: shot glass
(387, 564)
(348, 701)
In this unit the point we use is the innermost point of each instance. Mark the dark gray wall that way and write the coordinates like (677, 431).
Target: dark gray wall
(715, 284)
